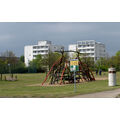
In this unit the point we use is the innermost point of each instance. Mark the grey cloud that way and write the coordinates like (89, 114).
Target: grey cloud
(5, 37)
(14, 36)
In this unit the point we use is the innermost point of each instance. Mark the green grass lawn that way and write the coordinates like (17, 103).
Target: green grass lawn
(21, 87)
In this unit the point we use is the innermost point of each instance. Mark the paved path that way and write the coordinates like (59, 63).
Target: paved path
(104, 94)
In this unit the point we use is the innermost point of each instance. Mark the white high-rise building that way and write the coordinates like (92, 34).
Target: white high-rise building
(43, 47)
(90, 48)
(72, 47)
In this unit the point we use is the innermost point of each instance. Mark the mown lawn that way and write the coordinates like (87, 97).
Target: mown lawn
(22, 88)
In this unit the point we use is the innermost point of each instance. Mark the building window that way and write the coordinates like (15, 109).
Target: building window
(92, 45)
(42, 46)
(92, 54)
(80, 43)
(79, 46)
(39, 47)
(87, 42)
(34, 51)
(34, 56)
(83, 43)
(34, 47)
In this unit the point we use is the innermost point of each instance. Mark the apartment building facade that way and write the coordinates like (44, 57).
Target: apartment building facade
(90, 48)
(43, 47)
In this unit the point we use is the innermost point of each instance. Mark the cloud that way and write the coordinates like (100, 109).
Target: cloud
(5, 37)
(14, 36)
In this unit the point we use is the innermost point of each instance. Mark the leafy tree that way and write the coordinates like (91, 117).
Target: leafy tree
(8, 54)
(16, 65)
(36, 65)
(10, 57)
(22, 58)
(51, 58)
(118, 53)
(43, 63)
(1, 68)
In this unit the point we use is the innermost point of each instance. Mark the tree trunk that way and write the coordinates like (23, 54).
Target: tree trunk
(1, 76)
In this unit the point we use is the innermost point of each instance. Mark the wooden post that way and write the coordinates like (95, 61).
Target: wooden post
(1, 76)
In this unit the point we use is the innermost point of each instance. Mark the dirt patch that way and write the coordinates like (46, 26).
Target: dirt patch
(46, 84)
(101, 78)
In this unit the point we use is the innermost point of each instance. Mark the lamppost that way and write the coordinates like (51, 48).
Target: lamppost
(10, 70)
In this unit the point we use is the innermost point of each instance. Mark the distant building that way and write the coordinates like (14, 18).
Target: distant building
(72, 47)
(90, 48)
(43, 47)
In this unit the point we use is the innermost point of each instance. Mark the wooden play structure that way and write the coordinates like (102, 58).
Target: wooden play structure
(60, 71)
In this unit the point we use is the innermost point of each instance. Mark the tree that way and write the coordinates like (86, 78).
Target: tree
(10, 57)
(36, 65)
(12, 63)
(1, 68)
(102, 63)
(43, 63)
(7, 54)
(22, 58)
(118, 53)
(51, 58)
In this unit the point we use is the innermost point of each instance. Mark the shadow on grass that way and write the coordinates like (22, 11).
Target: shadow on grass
(117, 85)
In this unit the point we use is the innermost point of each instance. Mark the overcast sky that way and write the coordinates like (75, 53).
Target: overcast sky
(14, 36)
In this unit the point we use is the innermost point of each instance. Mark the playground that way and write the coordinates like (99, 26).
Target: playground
(29, 86)
(65, 78)
(67, 70)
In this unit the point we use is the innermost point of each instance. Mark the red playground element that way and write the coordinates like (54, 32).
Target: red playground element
(60, 71)
(51, 70)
